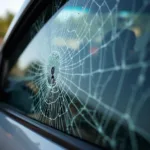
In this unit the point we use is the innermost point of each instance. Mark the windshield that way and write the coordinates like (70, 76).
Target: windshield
(88, 70)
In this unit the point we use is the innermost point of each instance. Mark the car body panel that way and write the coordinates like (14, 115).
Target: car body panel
(15, 136)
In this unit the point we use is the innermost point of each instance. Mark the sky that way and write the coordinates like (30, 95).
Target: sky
(11, 5)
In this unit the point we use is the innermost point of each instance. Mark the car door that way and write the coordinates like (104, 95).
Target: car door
(76, 74)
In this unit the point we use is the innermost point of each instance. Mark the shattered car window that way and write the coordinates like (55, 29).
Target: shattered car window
(86, 73)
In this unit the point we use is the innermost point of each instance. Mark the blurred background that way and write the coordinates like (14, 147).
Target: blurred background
(8, 9)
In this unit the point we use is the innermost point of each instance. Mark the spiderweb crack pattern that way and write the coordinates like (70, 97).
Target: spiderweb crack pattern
(94, 92)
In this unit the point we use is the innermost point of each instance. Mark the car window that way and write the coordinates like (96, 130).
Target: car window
(86, 73)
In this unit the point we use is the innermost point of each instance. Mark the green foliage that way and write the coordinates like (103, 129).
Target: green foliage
(5, 22)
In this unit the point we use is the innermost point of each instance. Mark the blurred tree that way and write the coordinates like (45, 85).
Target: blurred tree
(5, 22)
